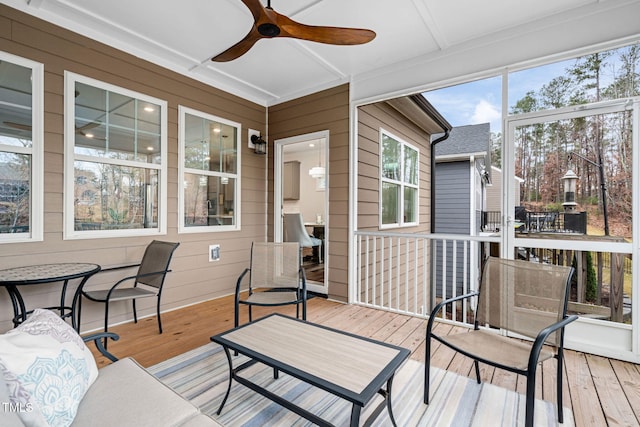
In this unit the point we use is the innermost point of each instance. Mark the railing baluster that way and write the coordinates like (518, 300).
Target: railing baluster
(409, 282)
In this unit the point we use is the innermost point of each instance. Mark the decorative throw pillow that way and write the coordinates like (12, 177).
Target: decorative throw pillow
(47, 368)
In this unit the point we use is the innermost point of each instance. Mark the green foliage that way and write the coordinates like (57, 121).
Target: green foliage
(554, 207)
(591, 290)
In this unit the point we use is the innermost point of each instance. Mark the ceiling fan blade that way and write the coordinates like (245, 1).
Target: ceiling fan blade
(324, 34)
(330, 35)
(239, 48)
(18, 126)
(256, 8)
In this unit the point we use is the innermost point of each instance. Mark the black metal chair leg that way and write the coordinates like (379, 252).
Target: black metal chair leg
(531, 395)
(559, 360)
(477, 365)
(106, 321)
(427, 365)
(135, 312)
(158, 314)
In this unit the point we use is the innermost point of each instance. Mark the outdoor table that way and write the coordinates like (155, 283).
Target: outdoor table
(40, 274)
(349, 366)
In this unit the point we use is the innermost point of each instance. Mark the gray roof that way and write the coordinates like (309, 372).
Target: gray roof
(465, 140)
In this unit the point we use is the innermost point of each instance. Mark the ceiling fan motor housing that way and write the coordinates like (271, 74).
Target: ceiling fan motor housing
(268, 29)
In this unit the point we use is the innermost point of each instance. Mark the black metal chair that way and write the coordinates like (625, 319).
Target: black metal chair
(275, 279)
(521, 297)
(147, 282)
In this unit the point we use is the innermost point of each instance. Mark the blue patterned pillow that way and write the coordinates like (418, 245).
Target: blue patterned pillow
(47, 369)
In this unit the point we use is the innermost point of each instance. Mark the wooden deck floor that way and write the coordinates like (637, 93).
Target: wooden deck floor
(601, 391)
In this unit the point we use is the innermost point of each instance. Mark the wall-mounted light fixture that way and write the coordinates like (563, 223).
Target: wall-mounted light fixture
(259, 144)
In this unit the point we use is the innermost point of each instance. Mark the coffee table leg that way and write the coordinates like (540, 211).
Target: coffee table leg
(226, 351)
(388, 398)
(355, 415)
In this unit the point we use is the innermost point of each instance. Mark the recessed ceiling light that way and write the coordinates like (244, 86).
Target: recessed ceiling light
(149, 109)
(150, 148)
(311, 144)
(216, 130)
(88, 135)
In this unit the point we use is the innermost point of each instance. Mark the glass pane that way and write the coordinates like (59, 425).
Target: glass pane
(390, 198)
(209, 200)
(116, 126)
(576, 183)
(390, 158)
(576, 167)
(410, 166)
(597, 77)
(15, 184)
(209, 145)
(410, 195)
(16, 105)
(111, 197)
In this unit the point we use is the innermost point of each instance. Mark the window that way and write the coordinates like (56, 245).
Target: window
(209, 162)
(21, 135)
(115, 161)
(399, 179)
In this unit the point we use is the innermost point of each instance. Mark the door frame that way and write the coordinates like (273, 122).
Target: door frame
(605, 338)
(278, 168)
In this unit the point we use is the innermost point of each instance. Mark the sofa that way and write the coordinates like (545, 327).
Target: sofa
(49, 378)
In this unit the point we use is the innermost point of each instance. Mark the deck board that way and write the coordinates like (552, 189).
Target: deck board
(601, 391)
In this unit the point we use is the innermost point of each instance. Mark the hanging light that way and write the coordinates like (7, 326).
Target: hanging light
(317, 171)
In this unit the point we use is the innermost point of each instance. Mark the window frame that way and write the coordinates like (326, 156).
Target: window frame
(402, 185)
(71, 157)
(36, 151)
(182, 170)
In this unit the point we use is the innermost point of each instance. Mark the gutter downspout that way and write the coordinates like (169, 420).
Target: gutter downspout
(433, 178)
(446, 127)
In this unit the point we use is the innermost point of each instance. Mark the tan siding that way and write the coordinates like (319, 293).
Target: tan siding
(326, 110)
(370, 119)
(193, 278)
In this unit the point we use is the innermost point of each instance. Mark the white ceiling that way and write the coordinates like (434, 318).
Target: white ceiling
(184, 35)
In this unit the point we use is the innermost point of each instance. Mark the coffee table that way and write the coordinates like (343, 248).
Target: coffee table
(351, 367)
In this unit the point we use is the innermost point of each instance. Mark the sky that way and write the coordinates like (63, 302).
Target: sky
(481, 101)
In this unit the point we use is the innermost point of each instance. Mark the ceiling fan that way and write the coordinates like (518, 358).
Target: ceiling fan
(269, 24)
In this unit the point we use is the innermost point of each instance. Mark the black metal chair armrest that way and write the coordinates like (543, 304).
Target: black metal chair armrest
(98, 339)
(443, 303)
(239, 282)
(542, 337)
(119, 267)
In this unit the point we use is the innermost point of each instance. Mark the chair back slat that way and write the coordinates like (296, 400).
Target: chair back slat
(522, 296)
(275, 265)
(157, 258)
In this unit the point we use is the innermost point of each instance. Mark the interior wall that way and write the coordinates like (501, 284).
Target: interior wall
(193, 278)
(326, 110)
(311, 201)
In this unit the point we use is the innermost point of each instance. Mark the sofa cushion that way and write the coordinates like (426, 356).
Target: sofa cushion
(125, 394)
(8, 411)
(47, 368)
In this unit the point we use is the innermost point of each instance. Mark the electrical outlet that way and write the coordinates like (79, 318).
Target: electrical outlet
(214, 253)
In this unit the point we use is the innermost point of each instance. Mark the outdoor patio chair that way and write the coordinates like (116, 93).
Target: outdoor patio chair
(295, 231)
(147, 282)
(275, 279)
(515, 297)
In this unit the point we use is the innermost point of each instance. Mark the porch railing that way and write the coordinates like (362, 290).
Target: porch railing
(411, 273)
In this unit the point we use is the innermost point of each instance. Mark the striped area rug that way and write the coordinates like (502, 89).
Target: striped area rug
(201, 376)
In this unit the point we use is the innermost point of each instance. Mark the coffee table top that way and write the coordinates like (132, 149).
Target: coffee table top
(348, 365)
